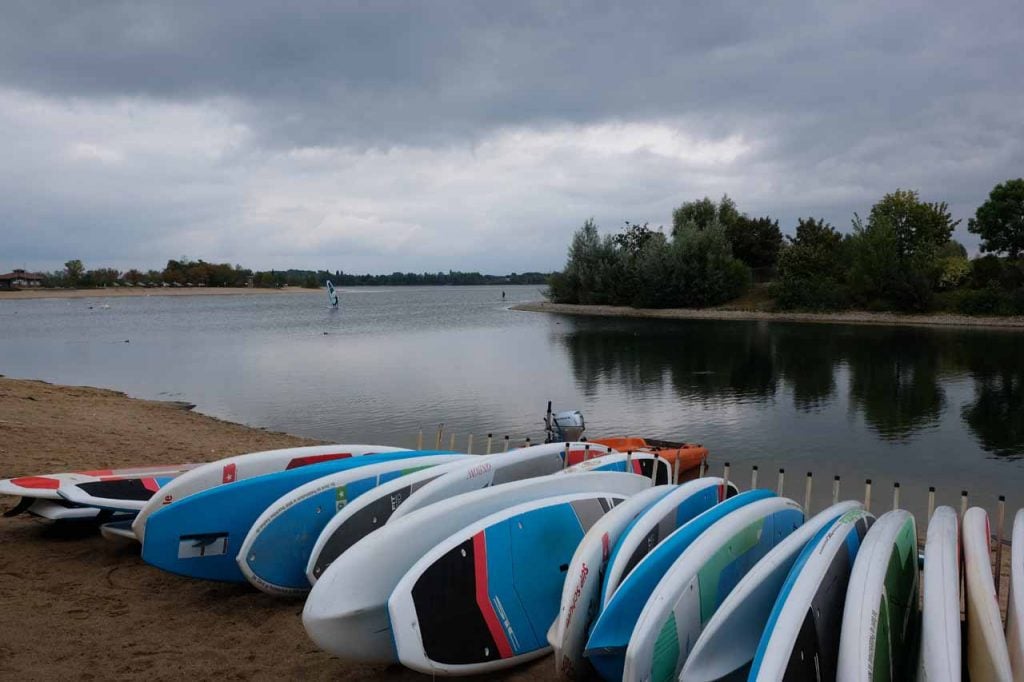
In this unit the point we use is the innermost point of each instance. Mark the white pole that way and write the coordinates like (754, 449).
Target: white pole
(867, 495)
(506, 444)
(931, 504)
(896, 495)
(1000, 518)
(488, 444)
(807, 495)
(963, 504)
(419, 440)
(782, 478)
(835, 490)
(753, 477)
(469, 444)
(725, 474)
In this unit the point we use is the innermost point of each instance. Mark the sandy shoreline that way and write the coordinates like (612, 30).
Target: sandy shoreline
(119, 292)
(76, 606)
(858, 317)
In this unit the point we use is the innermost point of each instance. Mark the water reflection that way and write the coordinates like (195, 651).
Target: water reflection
(898, 380)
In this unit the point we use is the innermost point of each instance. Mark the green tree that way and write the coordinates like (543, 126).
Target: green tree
(755, 241)
(705, 213)
(896, 251)
(1000, 220)
(74, 270)
(704, 271)
(812, 268)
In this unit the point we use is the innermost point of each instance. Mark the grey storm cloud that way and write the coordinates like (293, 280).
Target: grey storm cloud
(383, 135)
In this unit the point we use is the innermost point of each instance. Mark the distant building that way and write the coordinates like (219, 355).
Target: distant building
(19, 279)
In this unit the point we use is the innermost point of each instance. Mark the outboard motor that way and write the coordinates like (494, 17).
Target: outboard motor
(563, 427)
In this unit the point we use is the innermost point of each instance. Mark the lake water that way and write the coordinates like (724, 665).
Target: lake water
(941, 407)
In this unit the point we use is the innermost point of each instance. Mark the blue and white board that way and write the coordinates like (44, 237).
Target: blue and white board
(658, 522)
(696, 584)
(482, 600)
(197, 536)
(940, 656)
(581, 592)
(801, 638)
(275, 552)
(728, 642)
(237, 468)
(366, 514)
(613, 628)
(482, 472)
(346, 612)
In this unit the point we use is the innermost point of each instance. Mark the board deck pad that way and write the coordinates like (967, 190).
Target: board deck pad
(494, 595)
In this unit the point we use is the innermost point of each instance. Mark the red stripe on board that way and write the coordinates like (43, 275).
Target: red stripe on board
(483, 599)
(721, 491)
(150, 484)
(314, 459)
(39, 482)
(229, 473)
(637, 469)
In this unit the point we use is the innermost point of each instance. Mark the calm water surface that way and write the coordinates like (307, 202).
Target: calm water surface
(941, 407)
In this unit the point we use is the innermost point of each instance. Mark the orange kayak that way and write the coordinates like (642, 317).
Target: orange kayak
(689, 455)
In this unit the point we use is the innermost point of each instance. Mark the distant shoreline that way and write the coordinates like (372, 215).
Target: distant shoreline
(122, 292)
(853, 317)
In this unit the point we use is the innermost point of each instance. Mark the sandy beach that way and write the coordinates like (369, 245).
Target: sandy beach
(122, 292)
(76, 606)
(852, 317)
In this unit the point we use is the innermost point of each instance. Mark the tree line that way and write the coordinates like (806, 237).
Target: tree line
(199, 273)
(900, 257)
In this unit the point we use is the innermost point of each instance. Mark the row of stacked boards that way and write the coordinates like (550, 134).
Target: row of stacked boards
(455, 564)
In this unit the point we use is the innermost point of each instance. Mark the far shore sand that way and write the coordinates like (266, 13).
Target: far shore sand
(120, 292)
(76, 606)
(851, 317)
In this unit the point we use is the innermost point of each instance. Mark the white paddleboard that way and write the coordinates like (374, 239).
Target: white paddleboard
(514, 465)
(1015, 610)
(365, 514)
(241, 467)
(727, 643)
(880, 620)
(939, 659)
(987, 655)
(48, 486)
(581, 592)
(659, 521)
(346, 611)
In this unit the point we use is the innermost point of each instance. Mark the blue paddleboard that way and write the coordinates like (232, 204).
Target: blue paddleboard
(199, 536)
(606, 648)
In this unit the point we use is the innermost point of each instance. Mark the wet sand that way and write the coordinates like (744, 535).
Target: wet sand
(75, 606)
(850, 317)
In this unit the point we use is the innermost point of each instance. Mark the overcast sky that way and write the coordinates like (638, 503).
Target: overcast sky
(381, 136)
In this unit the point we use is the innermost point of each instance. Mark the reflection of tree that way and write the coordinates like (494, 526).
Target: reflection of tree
(996, 417)
(894, 380)
(807, 356)
(705, 360)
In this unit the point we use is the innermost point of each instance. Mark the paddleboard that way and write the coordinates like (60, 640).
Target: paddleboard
(119, 531)
(727, 643)
(658, 522)
(242, 467)
(940, 656)
(50, 486)
(482, 472)
(878, 638)
(197, 536)
(481, 600)
(364, 515)
(987, 655)
(346, 611)
(610, 634)
(645, 464)
(801, 638)
(695, 585)
(581, 591)
(275, 552)
(1015, 601)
